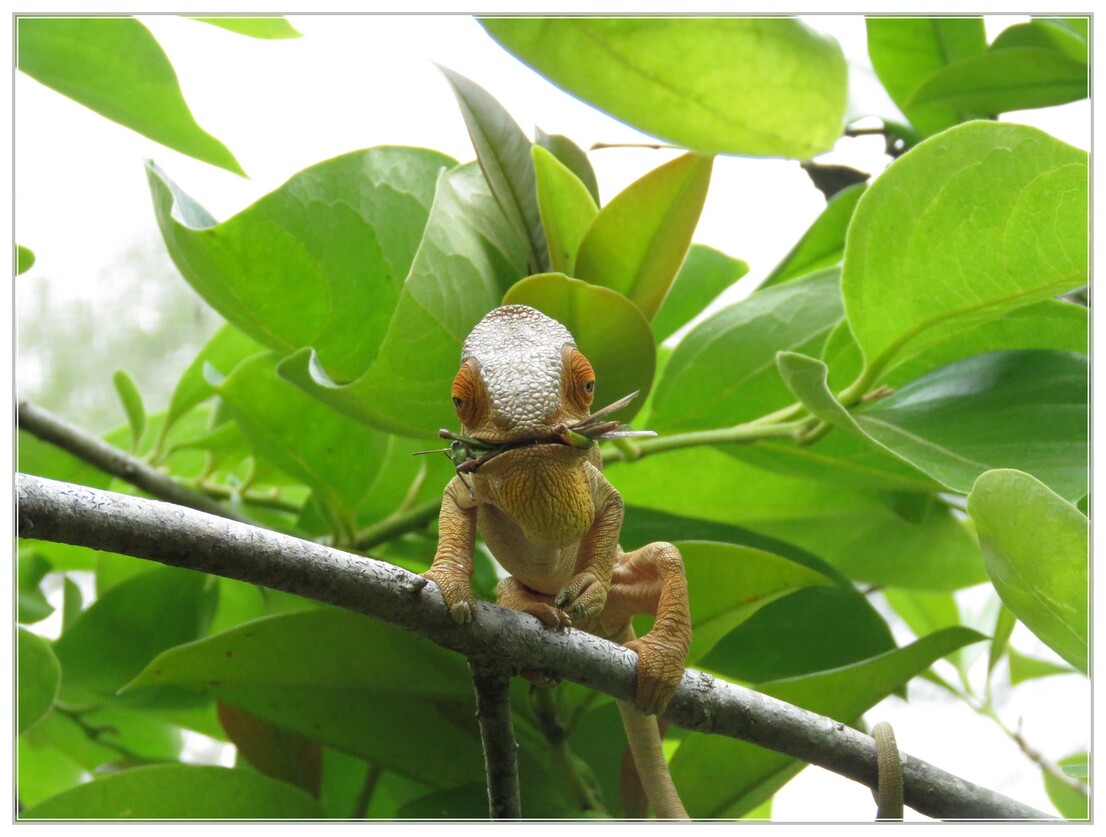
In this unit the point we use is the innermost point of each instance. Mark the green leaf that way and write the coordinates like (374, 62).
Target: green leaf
(1023, 667)
(24, 259)
(728, 584)
(704, 274)
(266, 28)
(43, 771)
(754, 773)
(743, 339)
(904, 540)
(337, 239)
(114, 66)
(1001, 80)
(274, 751)
(813, 629)
(999, 222)
(905, 51)
(676, 78)
(638, 241)
(111, 641)
(567, 209)
(1071, 804)
(1005, 623)
(574, 158)
(823, 244)
(503, 152)
(341, 679)
(179, 791)
(39, 679)
(467, 260)
(1044, 33)
(45, 460)
(336, 456)
(609, 330)
(32, 567)
(1035, 551)
(128, 393)
(1003, 409)
(1051, 324)
(926, 612)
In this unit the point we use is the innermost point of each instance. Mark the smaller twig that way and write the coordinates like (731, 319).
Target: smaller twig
(268, 499)
(493, 712)
(397, 524)
(1047, 766)
(83, 445)
(655, 146)
(361, 808)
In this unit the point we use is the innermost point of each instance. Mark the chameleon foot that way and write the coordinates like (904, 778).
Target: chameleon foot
(583, 598)
(457, 595)
(660, 668)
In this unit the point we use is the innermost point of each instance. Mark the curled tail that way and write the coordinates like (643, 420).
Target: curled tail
(645, 743)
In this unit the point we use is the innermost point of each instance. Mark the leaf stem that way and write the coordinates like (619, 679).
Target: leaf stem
(372, 777)
(749, 432)
(397, 524)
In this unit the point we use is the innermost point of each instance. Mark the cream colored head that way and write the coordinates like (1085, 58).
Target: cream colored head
(521, 375)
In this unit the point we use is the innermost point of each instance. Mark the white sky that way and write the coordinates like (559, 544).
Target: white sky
(353, 82)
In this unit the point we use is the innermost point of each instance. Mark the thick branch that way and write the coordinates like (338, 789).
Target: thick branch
(83, 445)
(497, 637)
(497, 733)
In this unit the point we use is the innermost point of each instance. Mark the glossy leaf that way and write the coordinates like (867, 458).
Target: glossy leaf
(1001, 80)
(128, 393)
(926, 612)
(638, 241)
(503, 152)
(317, 672)
(609, 330)
(905, 540)
(1003, 409)
(1045, 33)
(823, 244)
(567, 209)
(266, 28)
(337, 239)
(39, 679)
(467, 259)
(123, 630)
(728, 584)
(704, 274)
(574, 158)
(1000, 222)
(114, 66)
(1024, 668)
(723, 372)
(24, 259)
(179, 791)
(1035, 548)
(905, 51)
(754, 773)
(675, 78)
(274, 752)
(1071, 804)
(43, 771)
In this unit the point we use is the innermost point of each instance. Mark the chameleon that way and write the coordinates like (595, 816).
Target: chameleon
(530, 481)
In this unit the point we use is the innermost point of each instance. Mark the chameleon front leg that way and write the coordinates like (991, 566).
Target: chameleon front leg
(452, 566)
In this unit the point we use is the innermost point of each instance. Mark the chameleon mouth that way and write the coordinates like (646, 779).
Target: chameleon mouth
(468, 453)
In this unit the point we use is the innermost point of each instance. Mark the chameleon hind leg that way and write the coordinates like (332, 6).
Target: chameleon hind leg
(650, 580)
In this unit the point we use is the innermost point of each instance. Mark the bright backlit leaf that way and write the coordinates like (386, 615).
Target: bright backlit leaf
(704, 274)
(265, 28)
(823, 244)
(567, 209)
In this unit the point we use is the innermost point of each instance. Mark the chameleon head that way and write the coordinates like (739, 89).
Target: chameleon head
(521, 376)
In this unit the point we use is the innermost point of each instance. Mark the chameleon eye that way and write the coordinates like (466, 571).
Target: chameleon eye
(581, 380)
(464, 390)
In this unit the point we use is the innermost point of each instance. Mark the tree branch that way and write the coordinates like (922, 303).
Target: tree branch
(498, 637)
(497, 734)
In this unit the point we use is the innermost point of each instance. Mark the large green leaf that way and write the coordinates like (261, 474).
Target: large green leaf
(638, 241)
(567, 209)
(728, 584)
(823, 244)
(571, 156)
(114, 66)
(905, 51)
(265, 28)
(1035, 547)
(609, 330)
(320, 261)
(466, 261)
(902, 540)
(1047, 33)
(356, 684)
(753, 774)
(704, 274)
(1023, 409)
(998, 220)
(503, 152)
(43, 771)
(1001, 80)
(754, 86)
(179, 791)
(723, 372)
(39, 679)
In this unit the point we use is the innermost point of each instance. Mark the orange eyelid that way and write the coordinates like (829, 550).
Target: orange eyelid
(464, 388)
(581, 375)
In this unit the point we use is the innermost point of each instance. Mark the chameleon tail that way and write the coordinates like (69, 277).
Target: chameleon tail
(645, 744)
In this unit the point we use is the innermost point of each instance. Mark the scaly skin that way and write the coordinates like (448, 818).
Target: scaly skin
(552, 520)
